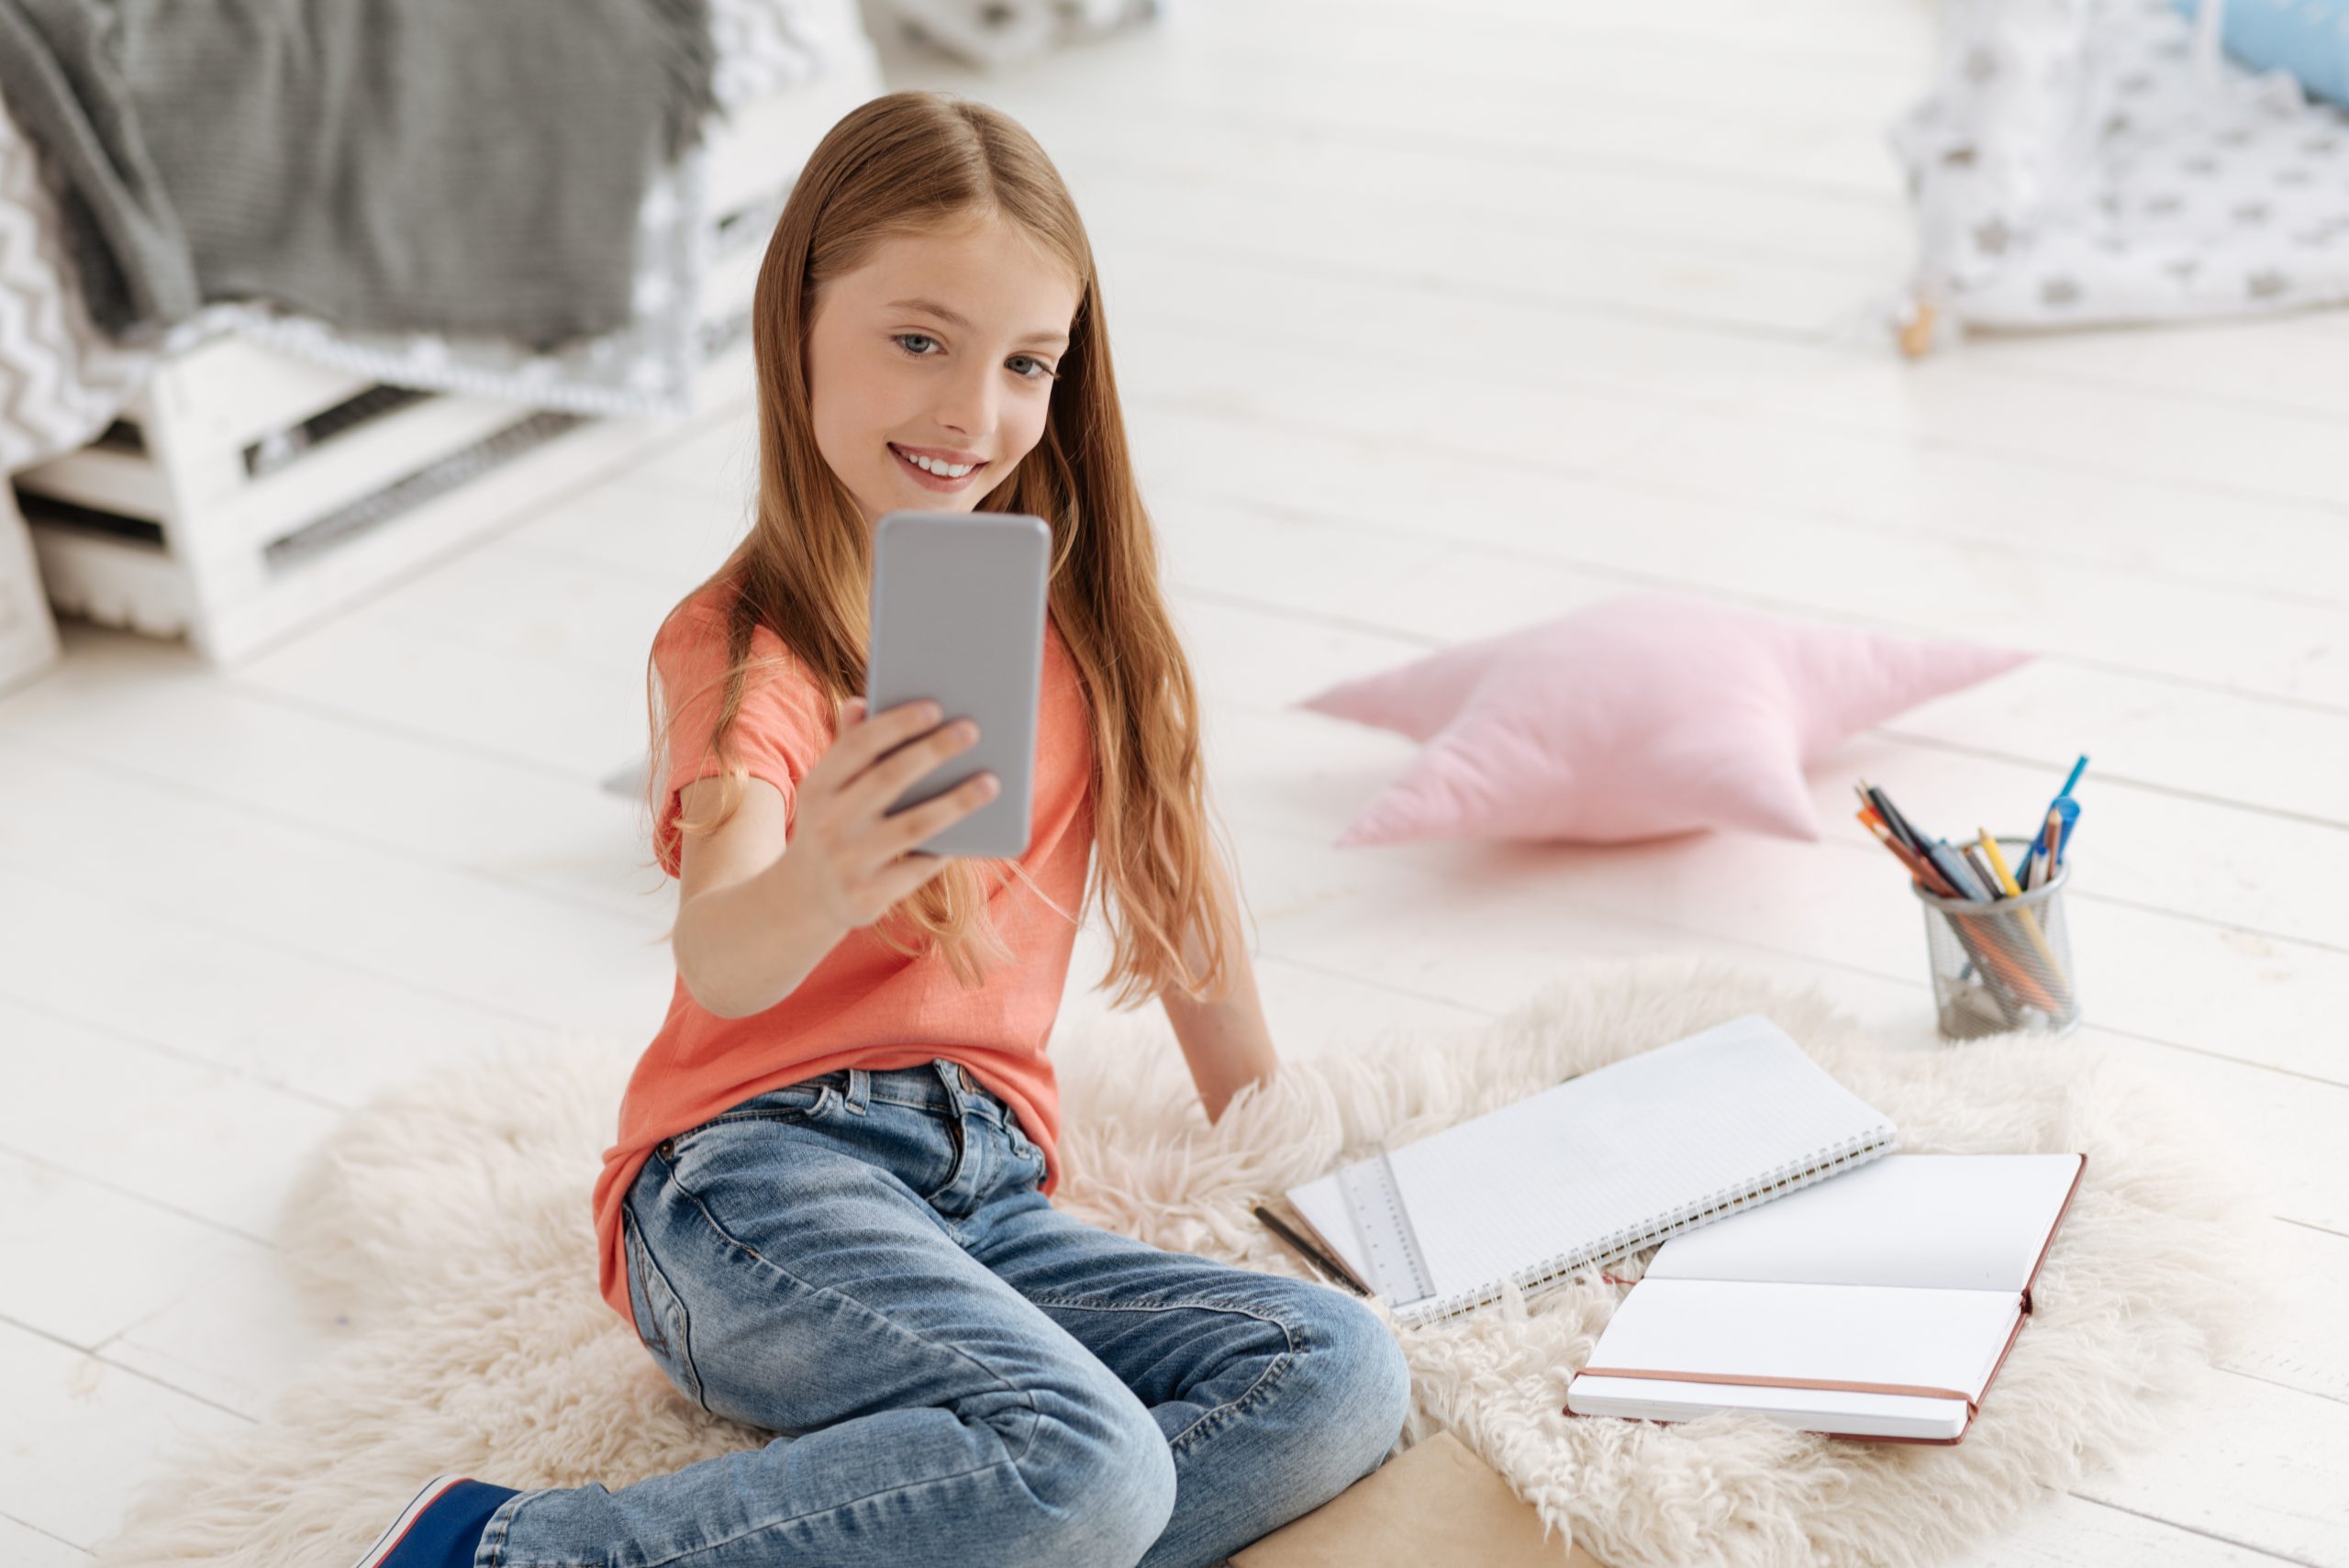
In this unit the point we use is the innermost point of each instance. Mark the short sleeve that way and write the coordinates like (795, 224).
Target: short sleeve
(784, 726)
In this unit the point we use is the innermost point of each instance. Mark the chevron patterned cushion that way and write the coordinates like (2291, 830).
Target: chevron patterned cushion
(61, 380)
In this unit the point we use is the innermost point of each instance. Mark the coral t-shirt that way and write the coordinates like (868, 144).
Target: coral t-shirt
(862, 1006)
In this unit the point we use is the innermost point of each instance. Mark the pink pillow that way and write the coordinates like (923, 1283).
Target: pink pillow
(1637, 718)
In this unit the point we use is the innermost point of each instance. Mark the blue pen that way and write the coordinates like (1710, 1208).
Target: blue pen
(2038, 837)
(2062, 798)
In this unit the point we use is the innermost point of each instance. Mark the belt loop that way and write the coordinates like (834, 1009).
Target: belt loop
(950, 1072)
(859, 1089)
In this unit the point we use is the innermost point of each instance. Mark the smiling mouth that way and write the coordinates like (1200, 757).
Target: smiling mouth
(931, 479)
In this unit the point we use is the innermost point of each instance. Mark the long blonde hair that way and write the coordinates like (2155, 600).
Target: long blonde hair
(911, 162)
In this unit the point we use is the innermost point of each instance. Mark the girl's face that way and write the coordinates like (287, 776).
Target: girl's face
(943, 347)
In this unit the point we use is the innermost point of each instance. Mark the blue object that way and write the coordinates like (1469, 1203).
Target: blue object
(2310, 39)
(2069, 809)
(440, 1528)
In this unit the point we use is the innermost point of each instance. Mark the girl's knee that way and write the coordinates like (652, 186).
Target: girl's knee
(1366, 1382)
(1135, 1498)
(1105, 1491)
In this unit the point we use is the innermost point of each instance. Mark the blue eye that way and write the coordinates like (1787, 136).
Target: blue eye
(1042, 372)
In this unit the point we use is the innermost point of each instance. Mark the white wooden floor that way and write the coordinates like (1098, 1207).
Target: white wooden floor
(1426, 329)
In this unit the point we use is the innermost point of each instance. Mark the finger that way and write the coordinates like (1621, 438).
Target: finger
(940, 812)
(852, 715)
(872, 793)
(907, 873)
(858, 744)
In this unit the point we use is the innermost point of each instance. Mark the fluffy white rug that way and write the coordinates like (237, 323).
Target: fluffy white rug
(449, 1224)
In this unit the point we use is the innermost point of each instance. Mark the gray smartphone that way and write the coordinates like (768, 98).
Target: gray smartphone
(958, 616)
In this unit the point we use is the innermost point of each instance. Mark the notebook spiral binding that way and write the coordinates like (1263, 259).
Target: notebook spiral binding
(1548, 1273)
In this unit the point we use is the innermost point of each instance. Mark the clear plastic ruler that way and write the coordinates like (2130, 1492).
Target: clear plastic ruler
(1396, 1267)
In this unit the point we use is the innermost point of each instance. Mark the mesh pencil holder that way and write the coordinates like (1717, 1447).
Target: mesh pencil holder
(2006, 965)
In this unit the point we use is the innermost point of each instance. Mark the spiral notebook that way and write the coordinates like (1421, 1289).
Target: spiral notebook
(1599, 1167)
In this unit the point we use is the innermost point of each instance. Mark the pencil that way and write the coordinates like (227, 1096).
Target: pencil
(2051, 833)
(1900, 823)
(1990, 887)
(1997, 861)
(1919, 869)
(2030, 921)
(1990, 946)
(1328, 1265)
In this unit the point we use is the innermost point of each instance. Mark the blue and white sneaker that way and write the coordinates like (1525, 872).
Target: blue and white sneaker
(441, 1526)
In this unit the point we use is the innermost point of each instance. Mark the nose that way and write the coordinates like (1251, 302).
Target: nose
(969, 408)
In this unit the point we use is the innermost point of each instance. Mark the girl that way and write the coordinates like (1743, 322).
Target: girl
(828, 1215)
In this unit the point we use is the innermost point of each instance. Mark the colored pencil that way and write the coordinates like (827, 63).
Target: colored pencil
(2030, 922)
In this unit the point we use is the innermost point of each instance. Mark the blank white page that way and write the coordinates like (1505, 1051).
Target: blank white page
(1810, 1409)
(1584, 1169)
(1955, 1221)
(1323, 1209)
(1933, 1339)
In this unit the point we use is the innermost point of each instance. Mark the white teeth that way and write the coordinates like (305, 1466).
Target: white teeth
(949, 470)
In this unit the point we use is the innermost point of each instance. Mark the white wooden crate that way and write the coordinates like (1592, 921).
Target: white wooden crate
(28, 636)
(189, 517)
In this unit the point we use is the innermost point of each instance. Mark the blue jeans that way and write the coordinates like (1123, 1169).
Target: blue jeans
(956, 1371)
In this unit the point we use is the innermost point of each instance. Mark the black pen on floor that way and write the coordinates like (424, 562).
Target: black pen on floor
(1314, 1255)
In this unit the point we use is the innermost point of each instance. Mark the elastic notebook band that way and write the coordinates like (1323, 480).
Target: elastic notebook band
(1912, 1388)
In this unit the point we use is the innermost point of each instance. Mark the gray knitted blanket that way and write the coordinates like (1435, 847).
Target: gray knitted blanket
(469, 166)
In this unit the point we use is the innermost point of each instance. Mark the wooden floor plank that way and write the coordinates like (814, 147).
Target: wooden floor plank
(82, 1431)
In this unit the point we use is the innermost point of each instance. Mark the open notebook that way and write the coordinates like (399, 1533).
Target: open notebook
(1597, 1168)
(1879, 1305)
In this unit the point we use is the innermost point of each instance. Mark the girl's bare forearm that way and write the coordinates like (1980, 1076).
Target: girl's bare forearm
(744, 946)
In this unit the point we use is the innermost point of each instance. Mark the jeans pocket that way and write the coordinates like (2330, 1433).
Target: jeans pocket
(661, 1323)
(812, 1101)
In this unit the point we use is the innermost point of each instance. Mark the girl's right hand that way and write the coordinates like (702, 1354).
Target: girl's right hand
(847, 855)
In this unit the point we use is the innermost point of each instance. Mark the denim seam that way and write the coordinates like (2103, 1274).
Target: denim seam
(684, 1350)
(634, 1241)
(1213, 1422)
(953, 1172)
(1003, 1383)
(972, 1104)
(817, 1110)
(1224, 1414)
(792, 1116)
(821, 1106)
(1127, 1303)
(986, 1109)
(788, 1113)
(505, 1516)
(852, 1502)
